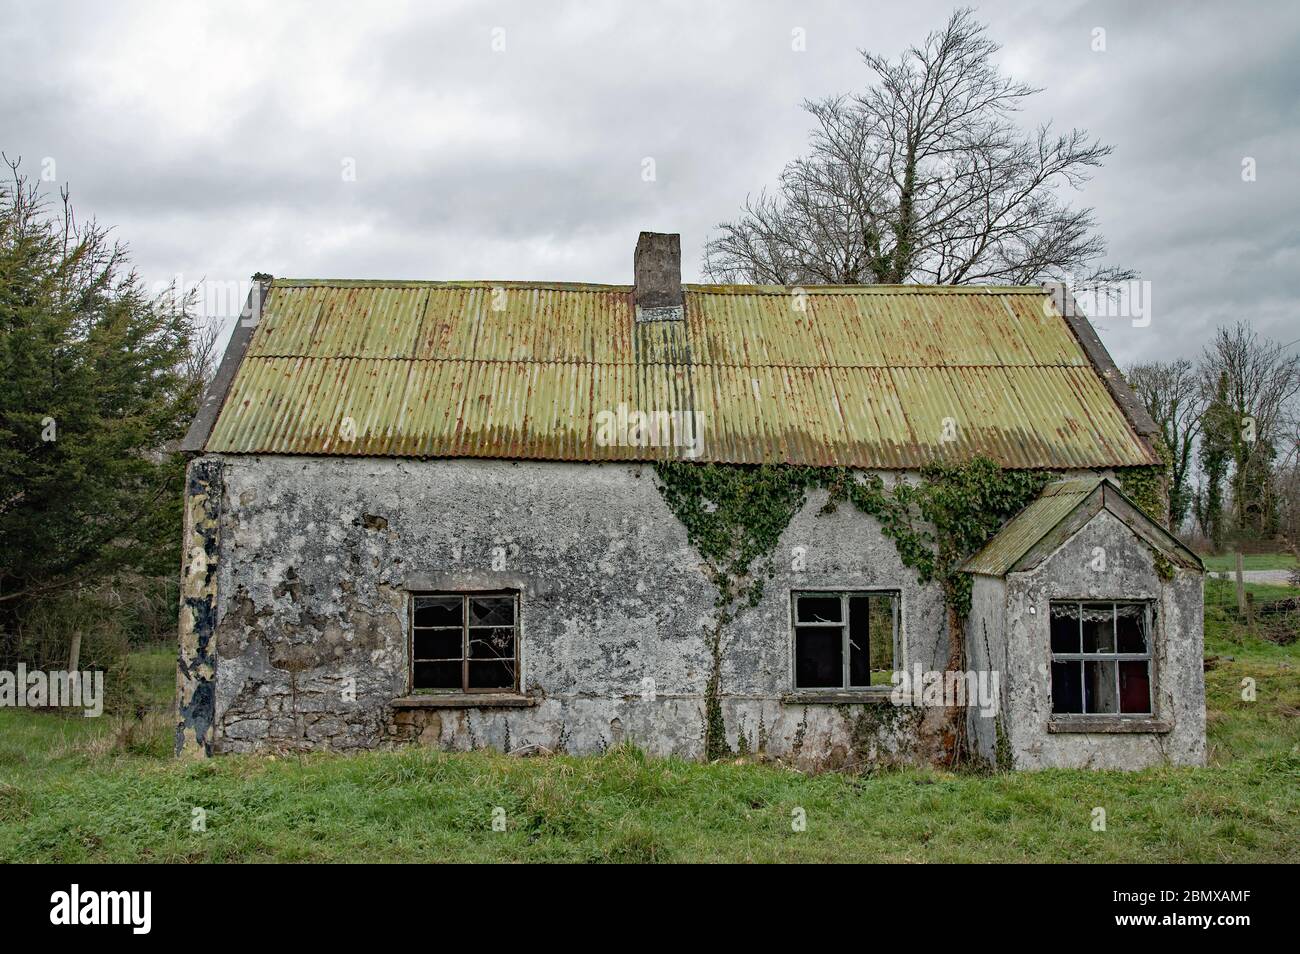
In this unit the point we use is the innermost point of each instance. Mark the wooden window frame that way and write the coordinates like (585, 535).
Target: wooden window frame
(1149, 657)
(845, 662)
(464, 596)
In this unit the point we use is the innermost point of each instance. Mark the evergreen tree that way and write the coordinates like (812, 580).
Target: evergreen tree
(94, 393)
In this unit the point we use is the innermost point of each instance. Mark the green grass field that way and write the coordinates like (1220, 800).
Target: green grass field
(75, 790)
(1254, 561)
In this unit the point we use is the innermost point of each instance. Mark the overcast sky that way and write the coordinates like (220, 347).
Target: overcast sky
(217, 139)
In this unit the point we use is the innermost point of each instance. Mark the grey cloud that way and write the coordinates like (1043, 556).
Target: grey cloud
(213, 137)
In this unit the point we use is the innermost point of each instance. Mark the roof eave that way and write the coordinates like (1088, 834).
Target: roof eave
(1106, 495)
(1134, 411)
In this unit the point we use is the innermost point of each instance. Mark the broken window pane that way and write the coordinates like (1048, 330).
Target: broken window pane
(494, 611)
(818, 609)
(882, 639)
(464, 642)
(438, 611)
(819, 657)
(860, 641)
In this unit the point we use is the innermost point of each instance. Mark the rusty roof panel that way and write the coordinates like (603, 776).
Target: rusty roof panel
(877, 377)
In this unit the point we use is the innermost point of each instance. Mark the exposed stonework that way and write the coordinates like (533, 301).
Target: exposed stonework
(197, 658)
(318, 556)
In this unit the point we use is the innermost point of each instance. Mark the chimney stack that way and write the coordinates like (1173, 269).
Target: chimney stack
(657, 268)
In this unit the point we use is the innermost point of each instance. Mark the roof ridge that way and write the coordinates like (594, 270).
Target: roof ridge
(725, 289)
(280, 283)
(698, 288)
(641, 363)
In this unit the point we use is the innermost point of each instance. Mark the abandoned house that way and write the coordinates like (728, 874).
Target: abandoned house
(430, 512)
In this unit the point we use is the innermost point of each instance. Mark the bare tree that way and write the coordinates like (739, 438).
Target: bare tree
(923, 178)
(201, 364)
(1259, 383)
(1174, 395)
(1288, 494)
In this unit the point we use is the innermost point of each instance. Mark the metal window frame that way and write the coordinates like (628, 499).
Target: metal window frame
(464, 596)
(843, 625)
(1149, 620)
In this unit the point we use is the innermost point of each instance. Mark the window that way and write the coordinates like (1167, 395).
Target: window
(844, 640)
(1101, 658)
(465, 641)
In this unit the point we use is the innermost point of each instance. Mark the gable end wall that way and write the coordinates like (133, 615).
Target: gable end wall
(1129, 574)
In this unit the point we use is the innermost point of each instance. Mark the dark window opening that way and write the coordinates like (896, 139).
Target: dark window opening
(465, 641)
(844, 640)
(1101, 658)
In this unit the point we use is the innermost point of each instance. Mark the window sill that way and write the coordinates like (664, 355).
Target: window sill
(838, 697)
(1110, 724)
(465, 700)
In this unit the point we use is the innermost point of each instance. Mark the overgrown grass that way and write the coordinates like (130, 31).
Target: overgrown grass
(74, 789)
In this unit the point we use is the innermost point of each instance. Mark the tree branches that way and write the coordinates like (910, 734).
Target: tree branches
(923, 177)
(1174, 396)
(1231, 418)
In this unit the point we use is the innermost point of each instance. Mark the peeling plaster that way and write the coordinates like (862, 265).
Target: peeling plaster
(315, 558)
(1008, 627)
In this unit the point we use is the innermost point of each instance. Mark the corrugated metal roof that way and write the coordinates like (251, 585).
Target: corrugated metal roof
(1057, 501)
(864, 376)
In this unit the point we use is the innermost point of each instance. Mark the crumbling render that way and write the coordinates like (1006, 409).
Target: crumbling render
(197, 662)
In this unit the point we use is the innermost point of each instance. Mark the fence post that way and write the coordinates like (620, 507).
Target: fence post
(74, 652)
(1250, 611)
(1241, 587)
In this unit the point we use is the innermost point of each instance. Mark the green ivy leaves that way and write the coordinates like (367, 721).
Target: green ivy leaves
(1145, 487)
(734, 516)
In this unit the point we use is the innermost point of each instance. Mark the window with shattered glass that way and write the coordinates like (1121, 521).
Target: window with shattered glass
(467, 642)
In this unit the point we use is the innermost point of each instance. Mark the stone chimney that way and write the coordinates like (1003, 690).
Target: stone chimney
(657, 268)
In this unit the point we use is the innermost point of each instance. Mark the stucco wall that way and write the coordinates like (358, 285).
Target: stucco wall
(317, 555)
(1129, 574)
(986, 651)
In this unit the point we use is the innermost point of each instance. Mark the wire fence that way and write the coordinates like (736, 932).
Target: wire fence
(1268, 604)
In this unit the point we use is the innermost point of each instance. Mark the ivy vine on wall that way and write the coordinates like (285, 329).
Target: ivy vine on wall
(938, 521)
(1145, 486)
(735, 514)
